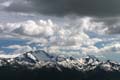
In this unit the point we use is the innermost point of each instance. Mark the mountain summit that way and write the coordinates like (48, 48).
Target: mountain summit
(40, 58)
(40, 65)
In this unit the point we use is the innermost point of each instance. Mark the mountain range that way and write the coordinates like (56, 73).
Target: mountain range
(40, 65)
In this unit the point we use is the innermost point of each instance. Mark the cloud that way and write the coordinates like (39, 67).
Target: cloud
(114, 29)
(6, 3)
(43, 33)
(76, 37)
(115, 47)
(19, 49)
(40, 29)
(8, 55)
(2, 52)
(19, 6)
(82, 26)
(70, 33)
(89, 24)
(65, 7)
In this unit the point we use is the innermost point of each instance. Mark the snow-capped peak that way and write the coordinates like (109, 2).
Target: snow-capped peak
(31, 56)
(41, 58)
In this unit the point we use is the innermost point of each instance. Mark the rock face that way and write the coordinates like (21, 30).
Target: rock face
(39, 65)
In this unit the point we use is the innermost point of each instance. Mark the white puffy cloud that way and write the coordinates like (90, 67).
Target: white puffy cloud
(43, 33)
(72, 38)
(88, 24)
(32, 28)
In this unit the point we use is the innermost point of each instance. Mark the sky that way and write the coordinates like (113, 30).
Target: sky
(61, 27)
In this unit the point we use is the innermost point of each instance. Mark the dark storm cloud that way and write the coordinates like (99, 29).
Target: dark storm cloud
(64, 7)
(20, 6)
(80, 7)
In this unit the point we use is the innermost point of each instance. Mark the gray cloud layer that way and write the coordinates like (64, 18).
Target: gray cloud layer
(20, 6)
(82, 7)
(64, 7)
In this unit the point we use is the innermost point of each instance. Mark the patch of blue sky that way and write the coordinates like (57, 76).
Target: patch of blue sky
(102, 44)
(12, 41)
(4, 43)
(8, 50)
